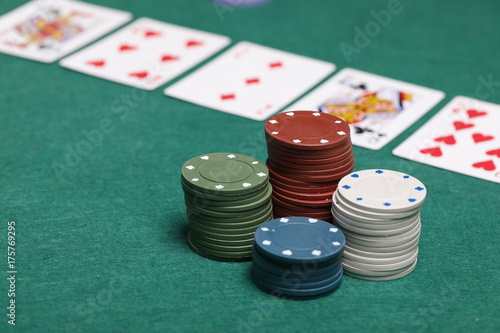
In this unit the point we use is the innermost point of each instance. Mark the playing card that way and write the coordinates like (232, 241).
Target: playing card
(463, 137)
(377, 108)
(146, 53)
(47, 30)
(251, 80)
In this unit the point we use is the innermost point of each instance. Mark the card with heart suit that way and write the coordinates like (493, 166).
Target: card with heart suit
(463, 137)
(376, 108)
(251, 81)
(146, 53)
(47, 30)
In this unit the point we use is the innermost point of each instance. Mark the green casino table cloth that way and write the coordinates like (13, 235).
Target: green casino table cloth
(101, 239)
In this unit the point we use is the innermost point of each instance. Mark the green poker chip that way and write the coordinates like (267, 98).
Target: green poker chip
(228, 228)
(221, 248)
(219, 255)
(222, 219)
(224, 173)
(240, 216)
(243, 227)
(222, 197)
(258, 204)
(214, 233)
(232, 205)
(222, 242)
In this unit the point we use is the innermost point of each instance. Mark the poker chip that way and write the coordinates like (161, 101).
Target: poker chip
(301, 195)
(379, 275)
(291, 166)
(307, 130)
(320, 216)
(324, 174)
(211, 212)
(368, 273)
(308, 153)
(293, 207)
(296, 292)
(224, 173)
(276, 175)
(293, 282)
(348, 210)
(318, 190)
(227, 197)
(299, 257)
(327, 175)
(217, 255)
(323, 154)
(382, 191)
(379, 214)
(305, 270)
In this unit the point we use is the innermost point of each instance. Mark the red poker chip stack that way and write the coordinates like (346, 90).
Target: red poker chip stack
(308, 153)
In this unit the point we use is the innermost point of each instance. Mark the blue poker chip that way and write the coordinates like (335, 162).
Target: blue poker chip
(309, 272)
(299, 240)
(299, 293)
(296, 282)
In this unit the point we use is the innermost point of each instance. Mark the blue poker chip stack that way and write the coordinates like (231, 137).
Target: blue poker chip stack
(297, 257)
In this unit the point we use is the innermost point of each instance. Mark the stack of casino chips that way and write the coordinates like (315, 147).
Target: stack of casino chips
(308, 153)
(227, 197)
(297, 257)
(379, 213)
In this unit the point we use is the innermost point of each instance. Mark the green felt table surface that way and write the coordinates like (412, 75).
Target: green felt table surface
(101, 241)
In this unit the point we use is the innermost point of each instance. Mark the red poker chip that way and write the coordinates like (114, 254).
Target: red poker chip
(339, 174)
(286, 213)
(309, 172)
(322, 218)
(302, 189)
(331, 155)
(273, 155)
(299, 183)
(297, 208)
(286, 164)
(302, 195)
(312, 154)
(339, 145)
(318, 214)
(307, 129)
(305, 203)
(305, 170)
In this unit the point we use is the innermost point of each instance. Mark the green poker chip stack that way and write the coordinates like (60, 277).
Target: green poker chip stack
(227, 197)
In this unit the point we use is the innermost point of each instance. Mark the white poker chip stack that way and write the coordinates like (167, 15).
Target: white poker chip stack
(379, 213)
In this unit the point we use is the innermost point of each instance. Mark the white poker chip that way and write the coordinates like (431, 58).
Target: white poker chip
(341, 203)
(356, 228)
(392, 250)
(379, 261)
(382, 191)
(390, 245)
(386, 240)
(368, 275)
(380, 255)
(348, 269)
(392, 229)
(385, 267)
(397, 224)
